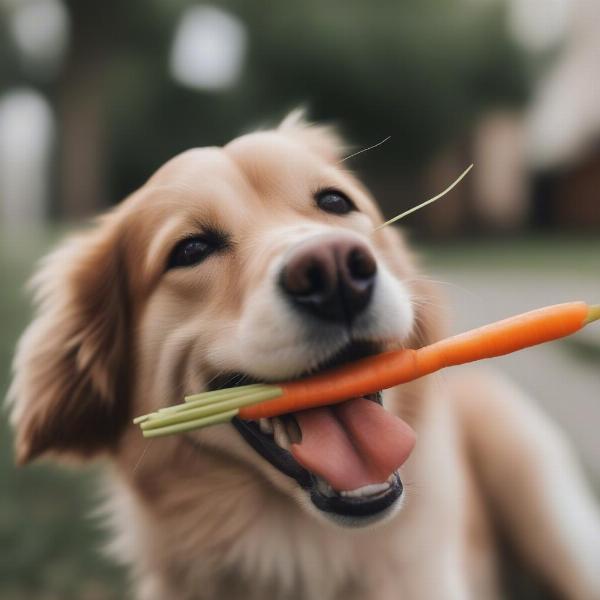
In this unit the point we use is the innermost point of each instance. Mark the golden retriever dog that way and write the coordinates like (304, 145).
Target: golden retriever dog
(258, 261)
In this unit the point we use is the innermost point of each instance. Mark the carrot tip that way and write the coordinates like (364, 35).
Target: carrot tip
(593, 314)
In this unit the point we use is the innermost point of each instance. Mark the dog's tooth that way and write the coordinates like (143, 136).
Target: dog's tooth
(266, 426)
(366, 490)
(324, 487)
(280, 434)
(293, 430)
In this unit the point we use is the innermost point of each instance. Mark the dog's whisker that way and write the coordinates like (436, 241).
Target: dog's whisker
(420, 327)
(451, 284)
(142, 455)
(238, 379)
(383, 141)
(215, 376)
(427, 202)
(424, 301)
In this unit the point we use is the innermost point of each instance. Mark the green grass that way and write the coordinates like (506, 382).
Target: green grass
(48, 542)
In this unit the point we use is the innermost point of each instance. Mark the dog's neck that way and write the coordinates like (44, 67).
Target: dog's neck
(210, 520)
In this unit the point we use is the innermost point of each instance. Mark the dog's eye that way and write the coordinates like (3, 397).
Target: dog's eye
(190, 251)
(334, 201)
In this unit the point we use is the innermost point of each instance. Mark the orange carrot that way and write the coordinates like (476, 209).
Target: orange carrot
(389, 369)
(370, 374)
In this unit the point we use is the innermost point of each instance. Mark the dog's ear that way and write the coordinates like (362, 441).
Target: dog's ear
(323, 140)
(70, 385)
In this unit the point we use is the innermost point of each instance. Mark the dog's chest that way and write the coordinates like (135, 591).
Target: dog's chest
(301, 560)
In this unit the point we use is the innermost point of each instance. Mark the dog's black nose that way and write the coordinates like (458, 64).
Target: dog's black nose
(331, 276)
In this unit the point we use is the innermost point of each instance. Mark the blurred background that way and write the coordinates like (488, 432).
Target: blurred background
(94, 96)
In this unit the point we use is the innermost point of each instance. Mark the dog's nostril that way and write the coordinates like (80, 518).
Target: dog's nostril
(315, 281)
(361, 264)
(332, 278)
(304, 277)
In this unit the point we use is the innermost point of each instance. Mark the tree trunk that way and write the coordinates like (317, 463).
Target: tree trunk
(81, 107)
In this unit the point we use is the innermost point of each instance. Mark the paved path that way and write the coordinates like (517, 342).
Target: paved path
(567, 386)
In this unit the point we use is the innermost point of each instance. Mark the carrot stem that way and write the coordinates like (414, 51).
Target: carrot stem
(226, 392)
(190, 425)
(593, 314)
(210, 409)
(205, 399)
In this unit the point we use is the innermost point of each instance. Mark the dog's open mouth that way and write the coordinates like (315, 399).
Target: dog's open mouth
(346, 455)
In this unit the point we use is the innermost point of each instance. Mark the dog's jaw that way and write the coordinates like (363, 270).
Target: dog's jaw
(274, 452)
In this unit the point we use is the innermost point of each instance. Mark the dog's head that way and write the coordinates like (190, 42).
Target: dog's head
(257, 261)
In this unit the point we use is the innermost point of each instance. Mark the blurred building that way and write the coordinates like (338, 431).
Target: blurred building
(563, 127)
(538, 166)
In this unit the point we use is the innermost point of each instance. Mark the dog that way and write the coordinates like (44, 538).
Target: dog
(259, 261)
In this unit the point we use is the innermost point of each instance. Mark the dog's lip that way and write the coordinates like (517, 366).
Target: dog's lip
(281, 459)
(358, 507)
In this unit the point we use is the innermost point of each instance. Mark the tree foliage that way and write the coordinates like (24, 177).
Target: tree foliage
(418, 70)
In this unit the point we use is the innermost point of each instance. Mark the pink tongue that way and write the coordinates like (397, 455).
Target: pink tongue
(352, 444)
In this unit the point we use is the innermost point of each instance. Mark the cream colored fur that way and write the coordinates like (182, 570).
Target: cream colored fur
(205, 517)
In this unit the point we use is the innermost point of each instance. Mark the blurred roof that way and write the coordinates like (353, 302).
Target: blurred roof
(564, 119)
